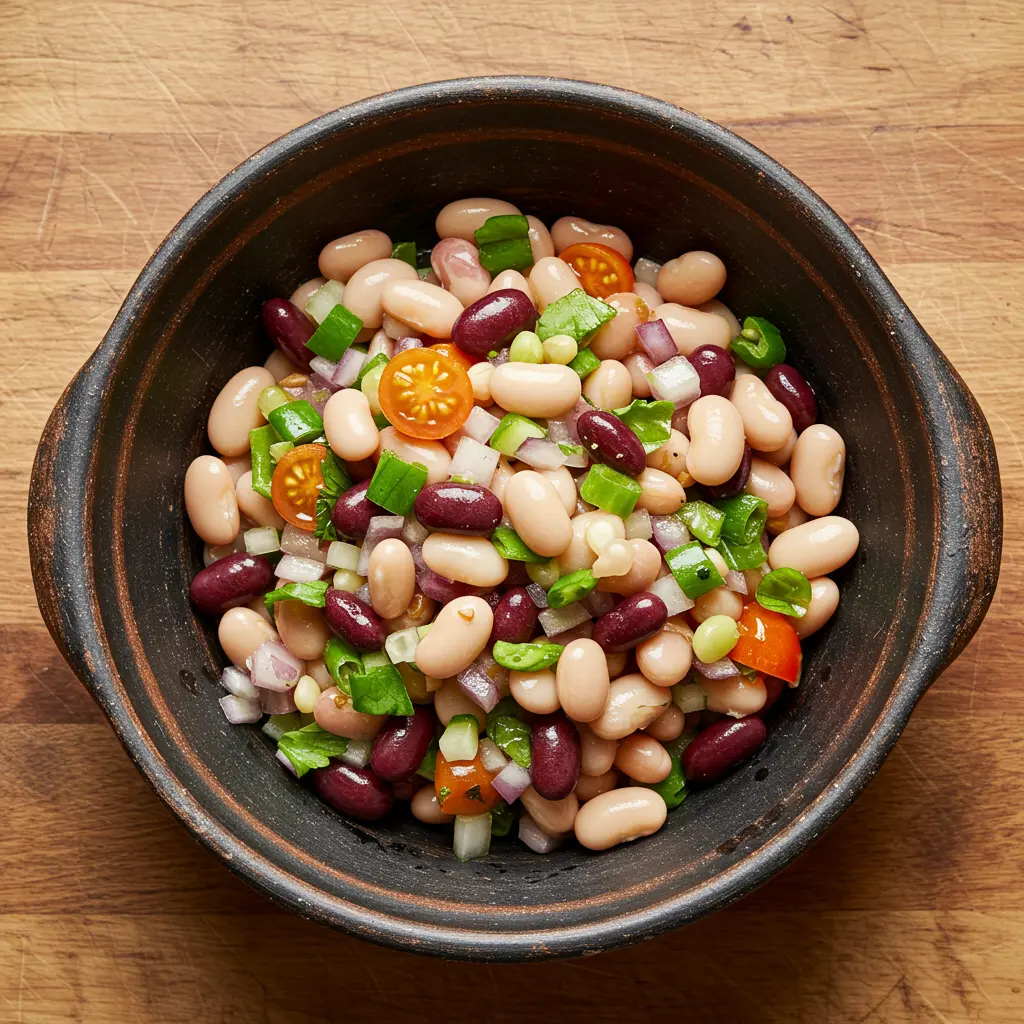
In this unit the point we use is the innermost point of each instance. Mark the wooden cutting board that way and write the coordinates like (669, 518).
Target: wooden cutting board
(115, 115)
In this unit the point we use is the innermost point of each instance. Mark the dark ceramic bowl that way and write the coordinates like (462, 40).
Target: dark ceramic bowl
(112, 556)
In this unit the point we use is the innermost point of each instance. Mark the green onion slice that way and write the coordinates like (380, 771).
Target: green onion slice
(742, 556)
(502, 227)
(745, 518)
(333, 337)
(610, 490)
(704, 521)
(396, 483)
(693, 570)
(571, 588)
(296, 421)
(585, 363)
(759, 344)
(511, 546)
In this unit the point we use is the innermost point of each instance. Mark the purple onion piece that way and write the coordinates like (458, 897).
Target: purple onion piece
(540, 453)
(500, 359)
(537, 839)
(438, 588)
(406, 343)
(721, 669)
(478, 687)
(348, 368)
(274, 667)
(511, 782)
(273, 702)
(656, 341)
(380, 528)
(736, 582)
(240, 710)
(668, 532)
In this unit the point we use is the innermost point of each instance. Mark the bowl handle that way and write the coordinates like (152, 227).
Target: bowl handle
(970, 509)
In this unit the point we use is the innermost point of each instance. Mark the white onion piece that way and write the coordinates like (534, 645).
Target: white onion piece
(491, 756)
(240, 710)
(283, 758)
(577, 460)
(357, 753)
(646, 271)
(276, 702)
(237, 682)
(273, 667)
(540, 453)
(656, 342)
(538, 595)
(675, 381)
(535, 838)
(638, 525)
(736, 582)
(558, 620)
(262, 540)
(293, 569)
(474, 462)
(558, 431)
(348, 368)
(363, 593)
(671, 593)
(380, 344)
(301, 543)
(414, 532)
(510, 782)
(668, 532)
(480, 425)
(721, 669)
(472, 837)
(342, 555)
(380, 528)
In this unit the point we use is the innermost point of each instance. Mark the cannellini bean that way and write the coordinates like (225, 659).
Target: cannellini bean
(463, 217)
(450, 701)
(395, 330)
(771, 483)
(664, 658)
(305, 292)
(816, 548)
(650, 295)
(537, 513)
(824, 602)
(501, 477)
(349, 426)
(568, 231)
(633, 703)
(579, 555)
(613, 560)
(554, 817)
(541, 245)
(690, 328)
(342, 257)
(418, 612)
(766, 421)
(590, 786)
(721, 309)
(427, 307)
(563, 483)
(720, 601)
(334, 713)
(303, 629)
(692, 278)
(617, 338)
(794, 517)
(472, 560)
(668, 725)
(818, 467)
(660, 494)
(642, 758)
(534, 691)
(619, 817)
(279, 366)
(671, 456)
(736, 697)
(459, 633)
(643, 570)
(782, 455)
(426, 807)
(480, 379)
(638, 366)
(609, 386)
(241, 631)
(511, 279)
(716, 440)
(550, 279)
(431, 454)
(211, 501)
(259, 509)
(236, 410)
(365, 289)
(581, 680)
(536, 389)
(392, 578)
(596, 753)
(457, 265)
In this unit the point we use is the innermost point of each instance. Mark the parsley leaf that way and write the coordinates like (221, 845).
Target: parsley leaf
(311, 747)
(380, 691)
(312, 594)
(336, 482)
(512, 736)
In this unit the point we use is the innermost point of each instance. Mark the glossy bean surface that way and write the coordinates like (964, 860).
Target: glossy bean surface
(638, 366)
(425, 306)
(720, 601)
(766, 422)
(665, 658)
(210, 500)
(230, 581)
(341, 258)
(253, 505)
(354, 620)
(289, 329)
(431, 454)
(392, 578)
(353, 511)
(736, 697)
(335, 714)
(715, 369)
(617, 338)
(633, 703)
(691, 279)
(609, 386)
(590, 786)
(550, 279)
(815, 548)
(457, 265)
(771, 484)
(643, 759)
(304, 293)
(425, 807)
(535, 691)
(463, 217)
(789, 386)
(236, 410)
(240, 631)
(492, 322)
(824, 602)
(459, 633)
(544, 390)
(356, 792)
(619, 817)
(735, 484)
(668, 725)
(515, 618)
(555, 817)
(818, 467)
(630, 622)
(660, 494)
(607, 439)
(690, 328)
(349, 426)
(581, 680)
(642, 573)
(465, 559)
(721, 747)
(568, 231)
(302, 628)
(565, 487)
(555, 756)
(458, 508)
(671, 456)
(537, 513)
(716, 440)
(401, 745)
(364, 292)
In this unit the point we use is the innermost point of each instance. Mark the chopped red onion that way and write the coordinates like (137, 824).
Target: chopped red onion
(294, 569)
(558, 431)
(500, 359)
(240, 710)
(380, 528)
(438, 588)
(380, 343)
(572, 419)
(348, 368)
(474, 462)
(511, 782)
(675, 381)
(638, 525)
(721, 669)
(363, 593)
(478, 686)
(274, 702)
(583, 630)
(237, 682)
(414, 532)
(540, 453)
(668, 532)
(403, 344)
(324, 369)
(671, 593)
(536, 838)
(283, 758)
(736, 582)
(597, 602)
(656, 342)
(274, 667)
(538, 595)
(558, 620)
(416, 550)
(316, 391)
(480, 425)
(680, 421)
(646, 272)
(301, 543)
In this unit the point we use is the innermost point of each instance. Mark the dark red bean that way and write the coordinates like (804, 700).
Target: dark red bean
(490, 323)
(437, 587)
(400, 746)
(517, 575)
(630, 622)
(788, 386)
(607, 439)
(691, 720)
(555, 756)
(354, 620)
(356, 792)
(289, 329)
(722, 746)
(493, 599)
(231, 581)
(737, 481)
(715, 368)
(515, 618)
(354, 510)
(458, 508)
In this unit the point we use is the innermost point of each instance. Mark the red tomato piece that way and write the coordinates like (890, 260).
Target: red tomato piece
(452, 351)
(464, 787)
(425, 393)
(767, 643)
(601, 270)
(297, 483)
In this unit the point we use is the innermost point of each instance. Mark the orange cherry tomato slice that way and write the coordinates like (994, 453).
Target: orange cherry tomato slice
(425, 393)
(452, 351)
(297, 483)
(464, 787)
(601, 270)
(767, 643)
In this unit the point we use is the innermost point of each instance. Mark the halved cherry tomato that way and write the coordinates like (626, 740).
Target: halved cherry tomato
(601, 270)
(464, 787)
(767, 643)
(452, 351)
(425, 393)
(297, 483)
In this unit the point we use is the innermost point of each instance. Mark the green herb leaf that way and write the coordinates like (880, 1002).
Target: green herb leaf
(526, 657)
(513, 736)
(650, 421)
(313, 594)
(380, 691)
(511, 546)
(404, 251)
(576, 314)
(342, 660)
(785, 590)
(503, 818)
(505, 708)
(311, 747)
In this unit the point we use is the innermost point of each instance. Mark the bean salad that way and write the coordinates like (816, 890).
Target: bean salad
(515, 529)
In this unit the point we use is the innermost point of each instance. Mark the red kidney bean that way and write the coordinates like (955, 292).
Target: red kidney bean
(789, 387)
(630, 622)
(609, 440)
(354, 620)
(356, 792)
(400, 746)
(490, 323)
(438, 588)
(722, 746)
(517, 575)
(715, 368)
(230, 581)
(353, 511)
(737, 481)
(289, 329)
(458, 508)
(515, 617)
(556, 755)
(774, 687)
(691, 720)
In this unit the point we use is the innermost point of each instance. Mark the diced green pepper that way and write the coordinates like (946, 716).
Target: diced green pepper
(693, 570)
(525, 657)
(296, 421)
(510, 254)
(510, 545)
(335, 334)
(502, 227)
(585, 363)
(571, 588)
(396, 483)
(260, 441)
(759, 344)
(404, 251)
(610, 490)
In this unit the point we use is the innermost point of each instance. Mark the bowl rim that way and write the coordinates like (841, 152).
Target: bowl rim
(937, 643)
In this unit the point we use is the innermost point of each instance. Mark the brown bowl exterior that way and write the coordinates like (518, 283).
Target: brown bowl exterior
(112, 557)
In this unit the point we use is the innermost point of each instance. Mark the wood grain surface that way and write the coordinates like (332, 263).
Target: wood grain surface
(908, 117)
